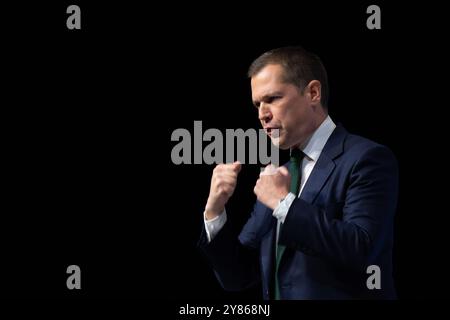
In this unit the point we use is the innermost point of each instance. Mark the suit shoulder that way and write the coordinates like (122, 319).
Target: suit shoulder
(360, 148)
(361, 145)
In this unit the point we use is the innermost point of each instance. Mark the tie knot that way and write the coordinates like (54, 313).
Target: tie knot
(297, 155)
(295, 169)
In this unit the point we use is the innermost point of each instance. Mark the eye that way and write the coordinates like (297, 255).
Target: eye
(272, 99)
(256, 104)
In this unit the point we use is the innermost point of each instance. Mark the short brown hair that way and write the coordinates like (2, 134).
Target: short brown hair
(300, 68)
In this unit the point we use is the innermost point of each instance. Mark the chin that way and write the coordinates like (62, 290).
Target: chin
(283, 147)
(279, 143)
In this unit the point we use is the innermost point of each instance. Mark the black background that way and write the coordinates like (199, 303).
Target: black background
(88, 116)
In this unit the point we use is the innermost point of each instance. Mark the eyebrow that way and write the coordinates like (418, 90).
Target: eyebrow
(266, 96)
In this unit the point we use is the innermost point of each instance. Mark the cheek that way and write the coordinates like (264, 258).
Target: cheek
(283, 116)
(301, 115)
(292, 118)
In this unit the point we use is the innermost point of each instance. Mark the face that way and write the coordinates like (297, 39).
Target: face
(282, 106)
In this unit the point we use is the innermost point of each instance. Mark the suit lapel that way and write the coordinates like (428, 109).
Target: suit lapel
(322, 170)
(324, 166)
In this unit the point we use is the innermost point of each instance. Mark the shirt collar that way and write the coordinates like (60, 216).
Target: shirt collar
(315, 144)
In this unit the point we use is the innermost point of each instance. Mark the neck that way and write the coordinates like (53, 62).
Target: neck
(316, 124)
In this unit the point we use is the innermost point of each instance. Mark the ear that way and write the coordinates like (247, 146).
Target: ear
(313, 90)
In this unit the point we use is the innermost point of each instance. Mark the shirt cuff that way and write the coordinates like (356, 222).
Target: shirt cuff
(282, 209)
(213, 226)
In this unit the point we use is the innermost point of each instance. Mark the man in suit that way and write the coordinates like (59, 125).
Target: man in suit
(318, 241)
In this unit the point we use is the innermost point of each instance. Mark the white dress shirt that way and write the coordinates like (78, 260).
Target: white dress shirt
(312, 151)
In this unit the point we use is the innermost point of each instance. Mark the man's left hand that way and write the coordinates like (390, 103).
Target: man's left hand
(272, 185)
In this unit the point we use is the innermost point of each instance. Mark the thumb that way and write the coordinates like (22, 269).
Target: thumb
(283, 171)
(237, 166)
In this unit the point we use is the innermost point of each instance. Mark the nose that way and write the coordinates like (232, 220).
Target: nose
(264, 113)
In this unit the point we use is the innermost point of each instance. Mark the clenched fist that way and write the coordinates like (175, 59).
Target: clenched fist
(272, 185)
(223, 183)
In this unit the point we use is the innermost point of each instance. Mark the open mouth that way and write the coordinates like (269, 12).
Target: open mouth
(272, 131)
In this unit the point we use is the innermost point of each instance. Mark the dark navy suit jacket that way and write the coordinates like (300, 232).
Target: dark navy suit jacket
(341, 224)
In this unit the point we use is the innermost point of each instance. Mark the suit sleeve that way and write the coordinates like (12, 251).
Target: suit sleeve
(351, 235)
(234, 258)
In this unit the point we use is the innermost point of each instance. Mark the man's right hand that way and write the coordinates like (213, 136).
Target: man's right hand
(223, 183)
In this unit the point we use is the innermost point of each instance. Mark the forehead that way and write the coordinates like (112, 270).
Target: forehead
(267, 80)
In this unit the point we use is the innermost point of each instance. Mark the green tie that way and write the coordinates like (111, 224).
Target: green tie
(295, 172)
